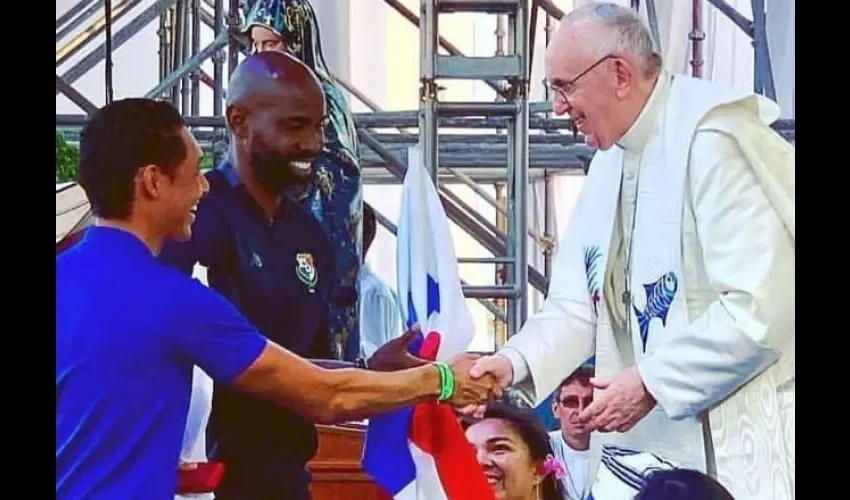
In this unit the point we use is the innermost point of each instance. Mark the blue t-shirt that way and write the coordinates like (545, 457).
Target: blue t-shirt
(128, 331)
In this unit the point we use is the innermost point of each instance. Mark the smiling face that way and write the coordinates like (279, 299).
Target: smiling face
(170, 195)
(282, 135)
(600, 91)
(505, 459)
(182, 192)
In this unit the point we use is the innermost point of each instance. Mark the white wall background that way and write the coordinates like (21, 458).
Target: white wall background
(371, 46)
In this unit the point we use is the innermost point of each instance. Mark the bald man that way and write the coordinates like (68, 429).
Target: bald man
(271, 259)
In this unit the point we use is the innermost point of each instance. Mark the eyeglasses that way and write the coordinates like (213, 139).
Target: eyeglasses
(574, 401)
(567, 88)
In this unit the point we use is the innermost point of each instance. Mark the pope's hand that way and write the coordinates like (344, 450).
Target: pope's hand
(619, 403)
(470, 390)
(496, 366)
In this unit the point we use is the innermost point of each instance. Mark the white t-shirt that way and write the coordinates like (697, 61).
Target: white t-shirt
(195, 437)
(200, 405)
(575, 462)
(380, 314)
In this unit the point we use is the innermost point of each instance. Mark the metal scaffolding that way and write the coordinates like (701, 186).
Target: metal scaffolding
(507, 154)
(512, 67)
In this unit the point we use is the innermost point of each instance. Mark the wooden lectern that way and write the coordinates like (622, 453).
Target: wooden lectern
(337, 473)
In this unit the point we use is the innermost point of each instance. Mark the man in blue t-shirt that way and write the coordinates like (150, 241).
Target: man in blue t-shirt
(129, 329)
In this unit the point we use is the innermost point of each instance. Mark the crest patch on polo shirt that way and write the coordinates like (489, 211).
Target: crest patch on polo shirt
(306, 270)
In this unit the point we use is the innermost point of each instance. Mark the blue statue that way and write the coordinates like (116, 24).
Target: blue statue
(334, 197)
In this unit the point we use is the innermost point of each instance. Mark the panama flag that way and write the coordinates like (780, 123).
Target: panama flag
(421, 452)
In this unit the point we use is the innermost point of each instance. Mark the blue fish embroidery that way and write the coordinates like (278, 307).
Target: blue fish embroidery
(659, 297)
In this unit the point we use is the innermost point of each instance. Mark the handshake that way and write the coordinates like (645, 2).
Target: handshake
(471, 388)
(477, 378)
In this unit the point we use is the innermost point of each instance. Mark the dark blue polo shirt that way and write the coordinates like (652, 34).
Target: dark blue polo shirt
(128, 331)
(280, 274)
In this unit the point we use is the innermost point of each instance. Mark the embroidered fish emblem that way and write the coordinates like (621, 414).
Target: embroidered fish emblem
(591, 259)
(659, 297)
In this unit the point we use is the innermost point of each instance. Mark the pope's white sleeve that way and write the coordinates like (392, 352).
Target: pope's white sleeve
(749, 262)
(562, 335)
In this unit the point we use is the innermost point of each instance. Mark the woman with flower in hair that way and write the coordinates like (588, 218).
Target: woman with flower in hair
(513, 449)
(334, 195)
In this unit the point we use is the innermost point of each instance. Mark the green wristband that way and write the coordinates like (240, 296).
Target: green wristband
(447, 381)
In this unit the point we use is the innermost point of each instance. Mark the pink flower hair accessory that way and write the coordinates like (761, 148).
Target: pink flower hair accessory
(553, 466)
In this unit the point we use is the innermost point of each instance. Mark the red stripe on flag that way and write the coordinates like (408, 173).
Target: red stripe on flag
(435, 430)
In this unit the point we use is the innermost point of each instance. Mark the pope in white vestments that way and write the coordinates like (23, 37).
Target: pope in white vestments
(677, 269)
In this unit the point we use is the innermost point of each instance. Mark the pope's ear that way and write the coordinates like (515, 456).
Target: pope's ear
(625, 74)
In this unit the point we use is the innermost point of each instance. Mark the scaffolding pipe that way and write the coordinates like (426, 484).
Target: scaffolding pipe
(218, 60)
(186, 82)
(518, 210)
(484, 260)
(169, 63)
(493, 244)
(218, 76)
(763, 78)
(450, 48)
(548, 221)
(196, 47)
(459, 175)
(177, 51)
(532, 34)
(550, 8)
(75, 97)
(474, 214)
(387, 119)
(652, 17)
(162, 53)
(234, 46)
(562, 140)
(190, 65)
(428, 93)
(107, 7)
(697, 36)
(736, 17)
(78, 20)
(124, 34)
(78, 42)
(491, 291)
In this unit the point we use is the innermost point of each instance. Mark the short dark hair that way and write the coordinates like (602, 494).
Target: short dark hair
(370, 226)
(682, 484)
(117, 141)
(533, 434)
(582, 372)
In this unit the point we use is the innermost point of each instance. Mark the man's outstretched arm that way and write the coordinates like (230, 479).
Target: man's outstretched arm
(328, 396)
(212, 334)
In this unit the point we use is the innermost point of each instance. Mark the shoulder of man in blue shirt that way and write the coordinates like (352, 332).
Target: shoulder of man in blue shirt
(128, 332)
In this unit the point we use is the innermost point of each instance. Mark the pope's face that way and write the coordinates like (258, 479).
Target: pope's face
(587, 85)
